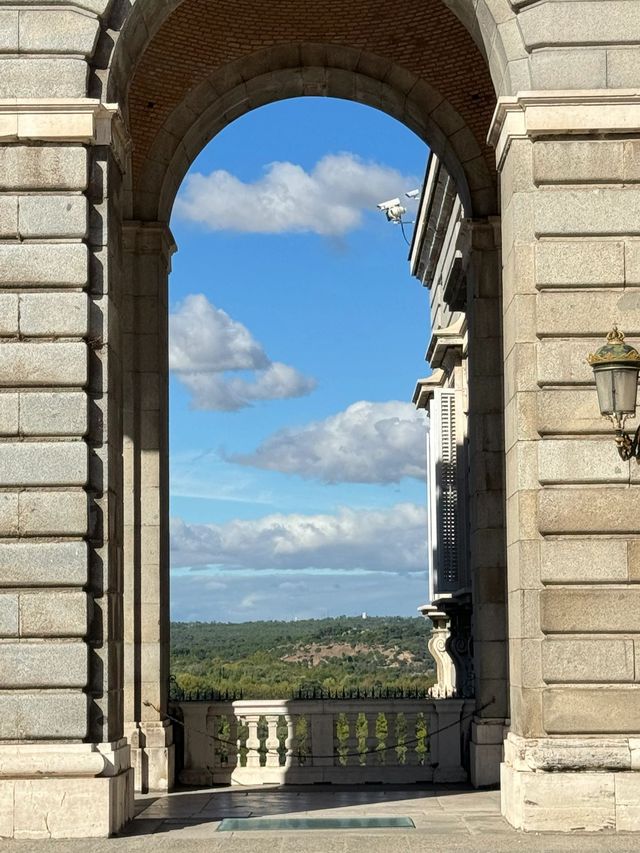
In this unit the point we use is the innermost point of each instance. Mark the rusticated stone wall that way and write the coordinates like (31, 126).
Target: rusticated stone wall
(570, 236)
(568, 162)
(44, 456)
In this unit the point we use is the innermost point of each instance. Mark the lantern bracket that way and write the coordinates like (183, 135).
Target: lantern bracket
(628, 446)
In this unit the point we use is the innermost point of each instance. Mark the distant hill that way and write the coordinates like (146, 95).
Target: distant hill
(280, 660)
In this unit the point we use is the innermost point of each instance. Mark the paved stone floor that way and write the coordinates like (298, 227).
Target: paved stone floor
(446, 819)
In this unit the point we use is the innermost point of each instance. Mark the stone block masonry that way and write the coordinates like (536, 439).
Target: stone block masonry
(83, 372)
(571, 235)
(60, 589)
(44, 456)
(55, 671)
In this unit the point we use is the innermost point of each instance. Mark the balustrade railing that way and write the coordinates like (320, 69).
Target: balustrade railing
(339, 741)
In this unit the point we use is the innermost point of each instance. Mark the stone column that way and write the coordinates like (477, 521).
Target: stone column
(487, 551)
(64, 764)
(148, 247)
(570, 175)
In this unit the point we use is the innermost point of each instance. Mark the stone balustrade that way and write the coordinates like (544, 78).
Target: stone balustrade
(336, 741)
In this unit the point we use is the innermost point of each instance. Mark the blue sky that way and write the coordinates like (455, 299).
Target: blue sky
(297, 335)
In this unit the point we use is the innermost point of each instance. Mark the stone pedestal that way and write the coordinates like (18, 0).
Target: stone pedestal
(153, 756)
(572, 784)
(485, 751)
(64, 790)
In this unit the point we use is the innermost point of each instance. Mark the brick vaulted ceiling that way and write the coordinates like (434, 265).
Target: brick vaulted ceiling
(423, 37)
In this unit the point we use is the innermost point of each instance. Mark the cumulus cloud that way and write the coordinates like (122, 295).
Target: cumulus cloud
(366, 443)
(205, 338)
(328, 200)
(384, 540)
(206, 344)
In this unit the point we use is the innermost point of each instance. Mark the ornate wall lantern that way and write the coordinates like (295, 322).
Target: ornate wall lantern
(615, 367)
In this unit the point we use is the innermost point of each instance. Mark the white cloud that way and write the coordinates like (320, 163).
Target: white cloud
(328, 200)
(366, 443)
(205, 338)
(386, 540)
(205, 344)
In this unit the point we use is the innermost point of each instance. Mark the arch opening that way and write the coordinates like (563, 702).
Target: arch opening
(207, 66)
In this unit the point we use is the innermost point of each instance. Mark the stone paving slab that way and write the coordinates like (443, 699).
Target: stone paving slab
(445, 819)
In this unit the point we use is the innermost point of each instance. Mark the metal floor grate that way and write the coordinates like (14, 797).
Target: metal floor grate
(260, 824)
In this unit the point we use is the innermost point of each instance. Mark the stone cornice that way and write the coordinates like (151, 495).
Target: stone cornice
(80, 120)
(563, 113)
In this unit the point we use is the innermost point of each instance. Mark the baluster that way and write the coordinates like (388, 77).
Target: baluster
(391, 754)
(289, 740)
(371, 757)
(253, 741)
(432, 755)
(241, 741)
(337, 743)
(213, 729)
(272, 743)
(412, 757)
(353, 757)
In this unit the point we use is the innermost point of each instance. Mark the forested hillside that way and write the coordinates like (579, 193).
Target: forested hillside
(280, 660)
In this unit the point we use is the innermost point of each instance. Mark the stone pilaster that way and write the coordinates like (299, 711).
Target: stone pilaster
(148, 247)
(571, 194)
(64, 765)
(487, 554)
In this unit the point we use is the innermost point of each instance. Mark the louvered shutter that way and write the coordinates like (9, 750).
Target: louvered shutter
(443, 494)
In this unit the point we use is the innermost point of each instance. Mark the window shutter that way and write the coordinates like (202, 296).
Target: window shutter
(443, 494)
(448, 510)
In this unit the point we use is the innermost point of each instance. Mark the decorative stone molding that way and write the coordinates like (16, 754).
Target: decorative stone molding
(449, 341)
(425, 387)
(450, 647)
(570, 755)
(148, 238)
(445, 686)
(60, 759)
(531, 114)
(81, 120)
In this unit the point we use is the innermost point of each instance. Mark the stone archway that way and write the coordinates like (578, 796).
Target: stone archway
(97, 127)
(417, 67)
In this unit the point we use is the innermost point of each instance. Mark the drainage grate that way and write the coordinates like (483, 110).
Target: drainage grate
(244, 824)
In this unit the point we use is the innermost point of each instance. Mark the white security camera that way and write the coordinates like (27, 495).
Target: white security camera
(387, 205)
(392, 209)
(413, 194)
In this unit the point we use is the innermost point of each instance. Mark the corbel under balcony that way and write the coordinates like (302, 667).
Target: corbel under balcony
(450, 645)
(425, 387)
(451, 340)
